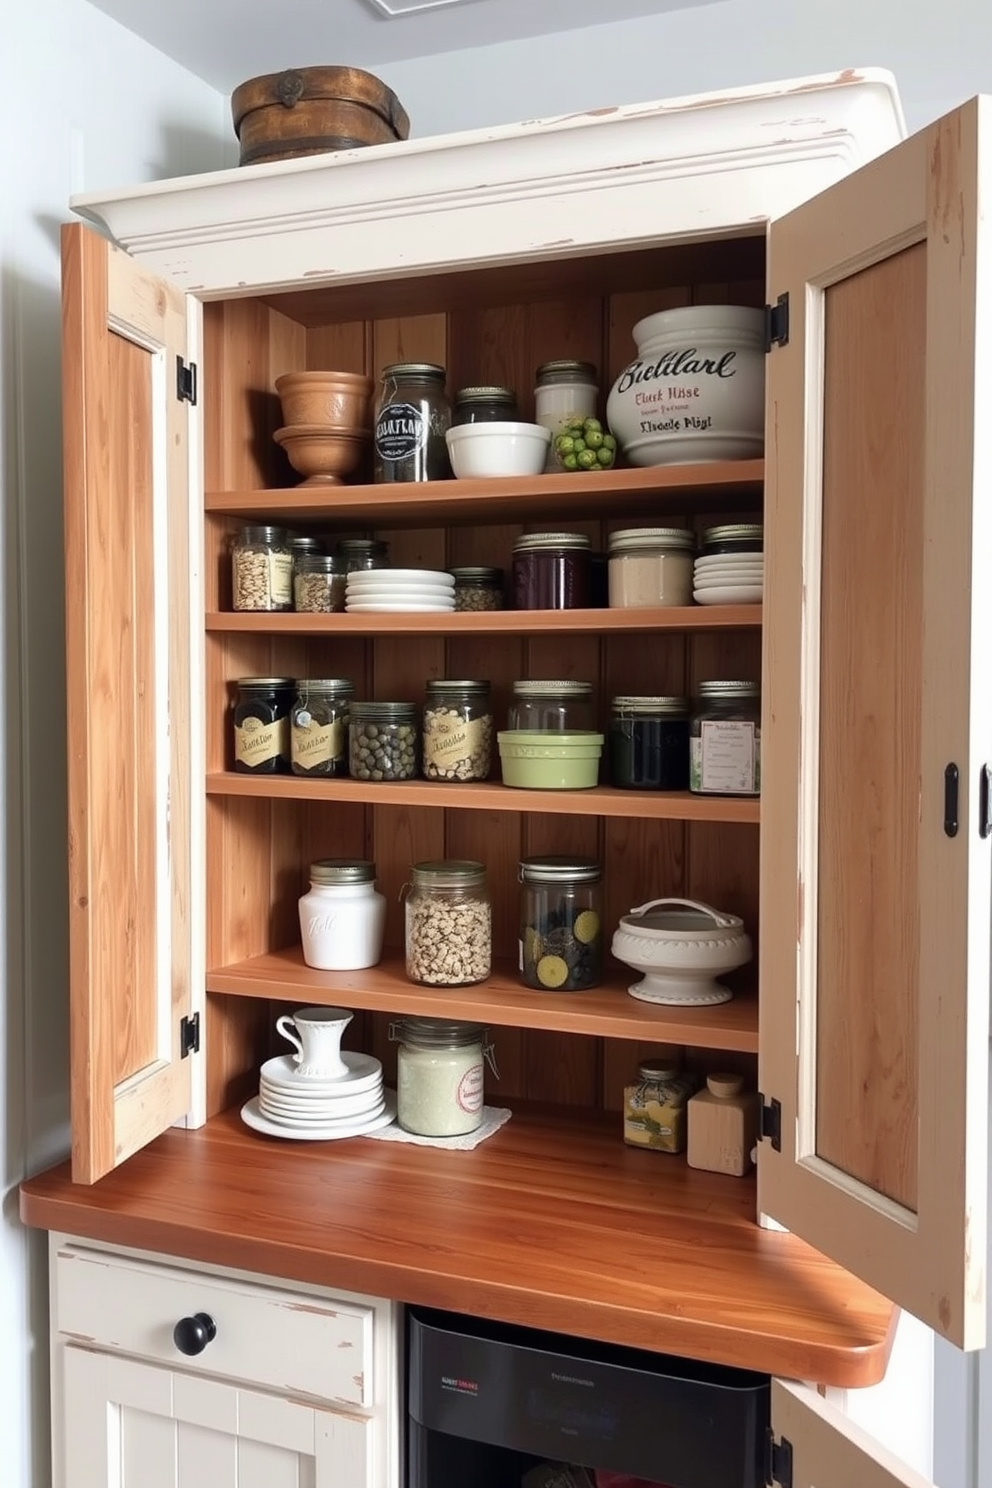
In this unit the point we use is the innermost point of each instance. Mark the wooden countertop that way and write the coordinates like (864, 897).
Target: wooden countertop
(640, 1250)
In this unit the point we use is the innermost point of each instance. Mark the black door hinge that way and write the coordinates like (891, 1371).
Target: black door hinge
(185, 381)
(189, 1035)
(771, 1122)
(778, 1460)
(777, 322)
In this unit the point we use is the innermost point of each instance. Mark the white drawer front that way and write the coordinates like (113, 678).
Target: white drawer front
(288, 1341)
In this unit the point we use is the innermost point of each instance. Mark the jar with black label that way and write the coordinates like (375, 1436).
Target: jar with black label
(649, 743)
(552, 571)
(358, 554)
(733, 537)
(484, 405)
(565, 706)
(561, 923)
(725, 740)
(457, 732)
(383, 742)
(412, 415)
(262, 569)
(319, 726)
(478, 588)
(261, 725)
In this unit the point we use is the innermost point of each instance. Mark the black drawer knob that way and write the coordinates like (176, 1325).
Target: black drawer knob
(192, 1334)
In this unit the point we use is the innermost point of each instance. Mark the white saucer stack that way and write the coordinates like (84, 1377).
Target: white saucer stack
(307, 1108)
(728, 578)
(394, 590)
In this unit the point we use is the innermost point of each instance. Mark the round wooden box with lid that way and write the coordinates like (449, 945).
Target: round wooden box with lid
(308, 110)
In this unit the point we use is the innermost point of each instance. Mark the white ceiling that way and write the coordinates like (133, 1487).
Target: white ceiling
(227, 41)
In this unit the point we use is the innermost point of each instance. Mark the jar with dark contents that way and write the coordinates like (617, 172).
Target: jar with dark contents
(731, 538)
(261, 725)
(319, 726)
(484, 405)
(725, 739)
(478, 588)
(552, 571)
(412, 415)
(382, 741)
(561, 923)
(358, 554)
(649, 743)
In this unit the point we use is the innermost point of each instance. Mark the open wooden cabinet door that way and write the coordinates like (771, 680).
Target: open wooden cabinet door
(816, 1446)
(877, 725)
(128, 657)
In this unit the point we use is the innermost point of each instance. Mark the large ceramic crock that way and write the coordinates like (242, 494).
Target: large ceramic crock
(680, 947)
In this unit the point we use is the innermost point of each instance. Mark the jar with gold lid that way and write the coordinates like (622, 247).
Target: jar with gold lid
(725, 739)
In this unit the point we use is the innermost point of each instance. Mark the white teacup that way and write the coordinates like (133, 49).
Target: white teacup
(316, 1034)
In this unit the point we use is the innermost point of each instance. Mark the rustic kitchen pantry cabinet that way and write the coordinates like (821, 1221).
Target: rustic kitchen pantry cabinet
(864, 872)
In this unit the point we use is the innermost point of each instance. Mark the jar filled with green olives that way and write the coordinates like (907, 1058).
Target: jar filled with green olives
(561, 923)
(382, 741)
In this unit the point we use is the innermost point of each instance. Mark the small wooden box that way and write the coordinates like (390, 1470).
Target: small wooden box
(309, 110)
(723, 1126)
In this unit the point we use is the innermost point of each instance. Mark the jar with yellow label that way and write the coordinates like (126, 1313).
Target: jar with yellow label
(319, 726)
(654, 1107)
(261, 725)
(457, 731)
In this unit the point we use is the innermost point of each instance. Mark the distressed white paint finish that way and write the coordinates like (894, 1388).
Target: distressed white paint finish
(288, 1341)
(828, 1450)
(703, 165)
(134, 1423)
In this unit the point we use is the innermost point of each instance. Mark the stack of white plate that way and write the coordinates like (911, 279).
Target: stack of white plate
(728, 578)
(309, 1109)
(384, 590)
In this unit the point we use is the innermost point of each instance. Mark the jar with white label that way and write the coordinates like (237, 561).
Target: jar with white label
(262, 569)
(440, 1076)
(725, 740)
(457, 731)
(342, 918)
(319, 726)
(412, 415)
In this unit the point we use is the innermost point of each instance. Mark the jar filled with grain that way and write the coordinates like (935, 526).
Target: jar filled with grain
(319, 726)
(448, 923)
(262, 569)
(439, 1075)
(457, 731)
(319, 583)
(382, 741)
(478, 587)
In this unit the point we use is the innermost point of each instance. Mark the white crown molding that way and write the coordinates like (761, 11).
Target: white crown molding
(714, 163)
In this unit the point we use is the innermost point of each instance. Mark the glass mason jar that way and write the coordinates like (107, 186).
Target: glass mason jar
(654, 1107)
(412, 414)
(552, 571)
(478, 588)
(650, 566)
(359, 554)
(382, 741)
(262, 569)
(448, 923)
(319, 583)
(319, 726)
(299, 543)
(566, 706)
(561, 923)
(261, 725)
(440, 1077)
(484, 405)
(342, 918)
(457, 731)
(649, 743)
(565, 389)
(733, 537)
(725, 740)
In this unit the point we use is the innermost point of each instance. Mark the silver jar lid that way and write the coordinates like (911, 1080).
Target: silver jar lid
(436, 1033)
(266, 683)
(552, 689)
(299, 543)
(729, 689)
(486, 395)
(566, 371)
(448, 873)
(326, 686)
(260, 533)
(536, 542)
(392, 712)
(349, 545)
(316, 561)
(477, 689)
(401, 371)
(734, 532)
(560, 868)
(641, 539)
(658, 1069)
(668, 707)
(342, 871)
(476, 574)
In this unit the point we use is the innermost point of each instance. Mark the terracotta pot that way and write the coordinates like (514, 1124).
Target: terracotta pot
(339, 400)
(322, 456)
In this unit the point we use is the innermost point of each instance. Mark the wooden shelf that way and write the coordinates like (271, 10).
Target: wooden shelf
(608, 1011)
(498, 622)
(602, 800)
(731, 485)
(552, 1223)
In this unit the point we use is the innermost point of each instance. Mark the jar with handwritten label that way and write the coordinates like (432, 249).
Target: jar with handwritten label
(342, 918)
(457, 731)
(725, 739)
(262, 569)
(440, 1075)
(319, 726)
(261, 725)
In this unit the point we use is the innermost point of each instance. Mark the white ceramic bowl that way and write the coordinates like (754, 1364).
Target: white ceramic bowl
(496, 449)
(680, 947)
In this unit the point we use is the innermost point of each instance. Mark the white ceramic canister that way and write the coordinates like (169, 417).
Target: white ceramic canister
(342, 918)
(696, 390)
(440, 1076)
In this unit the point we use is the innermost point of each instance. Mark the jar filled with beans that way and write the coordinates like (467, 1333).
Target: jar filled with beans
(458, 731)
(319, 583)
(448, 922)
(478, 588)
(382, 741)
(262, 569)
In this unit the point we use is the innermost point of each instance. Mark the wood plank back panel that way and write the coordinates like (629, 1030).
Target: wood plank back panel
(870, 687)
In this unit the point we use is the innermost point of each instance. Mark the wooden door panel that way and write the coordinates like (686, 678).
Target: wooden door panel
(875, 878)
(828, 1450)
(128, 663)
